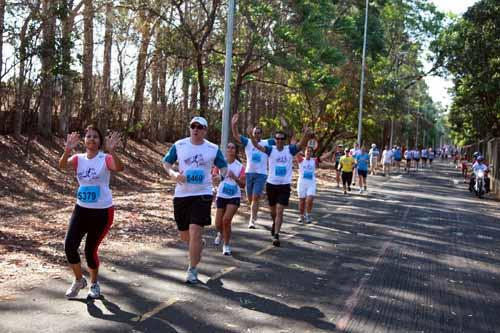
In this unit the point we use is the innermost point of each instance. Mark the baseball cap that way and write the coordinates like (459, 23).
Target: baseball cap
(374, 145)
(200, 120)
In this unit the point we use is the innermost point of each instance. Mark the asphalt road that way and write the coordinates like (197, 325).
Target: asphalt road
(417, 253)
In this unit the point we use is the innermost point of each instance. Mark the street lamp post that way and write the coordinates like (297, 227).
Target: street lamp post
(360, 114)
(227, 76)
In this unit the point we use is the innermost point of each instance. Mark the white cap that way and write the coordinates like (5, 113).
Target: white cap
(200, 120)
(374, 145)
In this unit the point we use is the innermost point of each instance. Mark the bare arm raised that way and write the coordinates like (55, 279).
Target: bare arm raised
(254, 141)
(112, 141)
(306, 135)
(72, 141)
(234, 127)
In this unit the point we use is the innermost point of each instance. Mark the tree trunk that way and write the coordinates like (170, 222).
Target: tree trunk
(67, 23)
(140, 82)
(48, 62)
(2, 17)
(20, 95)
(87, 62)
(164, 119)
(202, 85)
(153, 115)
(194, 98)
(185, 96)
(253, 103)
(103, 117)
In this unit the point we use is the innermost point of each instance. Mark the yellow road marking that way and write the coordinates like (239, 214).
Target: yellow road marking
(222, 272)
(157, 309)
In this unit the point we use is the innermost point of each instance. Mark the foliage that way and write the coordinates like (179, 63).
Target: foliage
(469, 49)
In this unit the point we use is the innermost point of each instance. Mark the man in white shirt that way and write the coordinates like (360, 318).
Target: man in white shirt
(256, 168)
(280, 176)
(374, 156)
(387, 160)
(193, 192)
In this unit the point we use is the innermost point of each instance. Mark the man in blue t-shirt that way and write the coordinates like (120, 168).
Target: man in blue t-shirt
(397, 157)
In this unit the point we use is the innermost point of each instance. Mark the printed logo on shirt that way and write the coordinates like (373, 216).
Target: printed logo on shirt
(88, 174)
(196, 161)
(282, 159)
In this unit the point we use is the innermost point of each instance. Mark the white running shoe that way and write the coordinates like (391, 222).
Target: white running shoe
(251, 224)
(192, 276)
(300, 219)
(94, 290)
(226, 250)
(360, 190)
(218, 239)
(75, 287)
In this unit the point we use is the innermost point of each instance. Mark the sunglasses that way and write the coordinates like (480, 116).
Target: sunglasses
(279, 138)
(199, 127)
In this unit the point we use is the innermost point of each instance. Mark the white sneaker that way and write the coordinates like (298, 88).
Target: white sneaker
(251, 224)
(360, 190)
(218, 239)
(192, 276)
(94, 290)
(226, 250)
(75, 287)
(300, 219)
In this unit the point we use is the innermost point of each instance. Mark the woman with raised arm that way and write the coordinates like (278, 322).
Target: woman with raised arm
(93, 213)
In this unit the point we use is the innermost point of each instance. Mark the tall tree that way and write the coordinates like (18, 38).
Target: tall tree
(103, 116)
(47, 58)
(147, 28)
(2, 18)
(67, 16)
(469, 50)
(198, 31)
(87, 62)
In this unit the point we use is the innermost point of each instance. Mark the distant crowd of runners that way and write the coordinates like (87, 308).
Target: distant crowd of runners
(198, 166)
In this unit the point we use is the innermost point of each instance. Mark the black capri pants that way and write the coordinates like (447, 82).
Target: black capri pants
(93, 222)
(346, 178)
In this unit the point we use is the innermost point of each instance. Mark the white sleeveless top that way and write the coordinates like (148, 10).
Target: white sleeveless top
(307, 171)
(280, 166)
(229, 188)
(93, 177)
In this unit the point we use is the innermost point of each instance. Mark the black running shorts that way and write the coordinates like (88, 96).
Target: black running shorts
(192, 210)
(278, 194)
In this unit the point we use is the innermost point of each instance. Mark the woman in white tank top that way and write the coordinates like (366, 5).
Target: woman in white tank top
(94, 212)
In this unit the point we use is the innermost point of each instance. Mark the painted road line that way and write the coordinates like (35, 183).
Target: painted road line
(222, 272)
(154, 311)
(330, 229)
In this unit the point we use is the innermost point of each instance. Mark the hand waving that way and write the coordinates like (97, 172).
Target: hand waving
(234, 119)
(72, 140)
(112, 141)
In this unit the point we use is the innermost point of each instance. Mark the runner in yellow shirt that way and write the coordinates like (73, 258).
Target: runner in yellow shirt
(346, 166)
